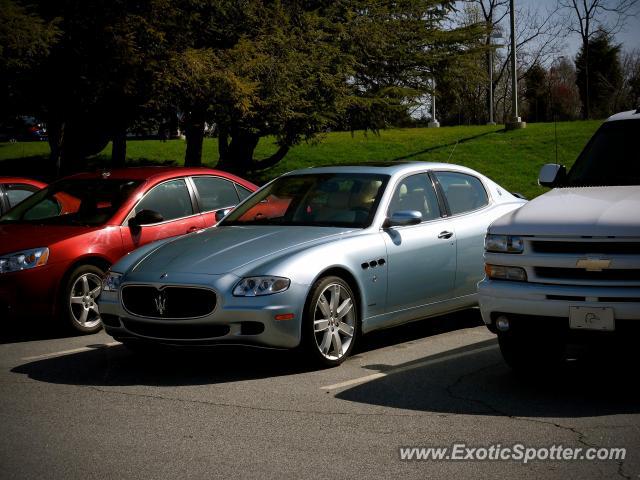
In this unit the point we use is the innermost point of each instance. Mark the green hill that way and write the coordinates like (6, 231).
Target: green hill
(512, 159)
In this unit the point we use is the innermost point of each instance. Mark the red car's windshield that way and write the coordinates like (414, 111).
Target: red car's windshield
(73, 202)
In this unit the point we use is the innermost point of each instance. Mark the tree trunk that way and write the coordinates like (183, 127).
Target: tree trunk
(194, 131)
(119, 148)
(55, 134)
(236, 156)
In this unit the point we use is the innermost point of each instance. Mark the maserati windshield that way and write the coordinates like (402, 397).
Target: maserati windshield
(73, 202)
(612, 157)
(323, 199)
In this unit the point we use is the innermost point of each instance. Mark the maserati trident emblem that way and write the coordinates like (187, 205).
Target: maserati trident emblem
(164, 275)
(160, 302)
(593, 264)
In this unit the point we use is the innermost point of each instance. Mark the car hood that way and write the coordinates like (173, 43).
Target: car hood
(15, 237)
(589, 211)
(221, 250)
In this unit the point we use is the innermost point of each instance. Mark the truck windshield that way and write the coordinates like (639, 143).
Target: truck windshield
(612, 157)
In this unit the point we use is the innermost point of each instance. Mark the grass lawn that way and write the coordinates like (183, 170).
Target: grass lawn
(512, 159)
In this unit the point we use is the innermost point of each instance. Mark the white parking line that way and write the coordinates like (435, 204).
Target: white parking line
(67, 352)
(426, 363)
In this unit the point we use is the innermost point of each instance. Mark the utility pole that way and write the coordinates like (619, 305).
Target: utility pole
(515, 121)
(493, 36)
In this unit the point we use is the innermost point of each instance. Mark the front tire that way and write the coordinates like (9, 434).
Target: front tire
(78, 308)
(331, 322)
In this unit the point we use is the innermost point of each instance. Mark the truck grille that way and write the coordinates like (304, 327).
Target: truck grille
(585, 247)
(615, 275)
(168, 302)
(556, 261)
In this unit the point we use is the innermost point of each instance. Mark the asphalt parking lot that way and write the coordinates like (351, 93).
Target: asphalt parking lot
(86, 407)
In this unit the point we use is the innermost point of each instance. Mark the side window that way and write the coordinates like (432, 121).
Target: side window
(463, 192)
(215, 193)
(170, 199)
(415, 193)
(243, 192)
(17, 192)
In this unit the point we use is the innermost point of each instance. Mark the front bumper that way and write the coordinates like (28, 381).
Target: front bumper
(235, 320)
(29, 293)
(539, 300)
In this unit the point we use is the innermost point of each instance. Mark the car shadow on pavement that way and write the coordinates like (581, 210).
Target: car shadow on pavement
(117, 365)
(31, 329)
(476, 381)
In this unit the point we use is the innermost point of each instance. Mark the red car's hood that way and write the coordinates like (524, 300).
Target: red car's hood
(21, 236)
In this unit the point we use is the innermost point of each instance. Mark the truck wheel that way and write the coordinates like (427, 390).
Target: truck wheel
(526, 351)
(78, 309)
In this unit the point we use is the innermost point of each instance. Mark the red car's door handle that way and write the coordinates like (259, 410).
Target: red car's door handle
(192, 229)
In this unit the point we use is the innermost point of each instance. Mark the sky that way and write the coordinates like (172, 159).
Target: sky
(629, 37)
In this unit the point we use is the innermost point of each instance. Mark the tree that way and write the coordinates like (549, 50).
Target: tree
(537, 94)
(563, 90)
(294, 69)
(598, 75)
(590, 17)
(25, 41)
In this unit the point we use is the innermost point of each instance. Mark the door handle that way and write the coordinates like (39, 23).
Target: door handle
(192, 229)
(445, 234)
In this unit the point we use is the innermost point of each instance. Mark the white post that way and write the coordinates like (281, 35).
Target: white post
(434, 123)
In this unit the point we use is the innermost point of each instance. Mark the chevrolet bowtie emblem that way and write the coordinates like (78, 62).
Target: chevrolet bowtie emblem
(593, 264)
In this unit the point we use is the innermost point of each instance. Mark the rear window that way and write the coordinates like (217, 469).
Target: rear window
(463, 192)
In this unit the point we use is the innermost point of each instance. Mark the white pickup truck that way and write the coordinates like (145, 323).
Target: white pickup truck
(565, 267)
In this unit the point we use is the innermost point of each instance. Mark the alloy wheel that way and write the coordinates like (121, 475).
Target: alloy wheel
(82, 301)
(334, 321)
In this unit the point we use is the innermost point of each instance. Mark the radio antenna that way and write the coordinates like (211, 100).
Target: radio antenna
(453, 150)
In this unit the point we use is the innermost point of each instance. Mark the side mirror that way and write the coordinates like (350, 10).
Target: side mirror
(220, 214)
(402, 218)
(552, 175)
(144, 217)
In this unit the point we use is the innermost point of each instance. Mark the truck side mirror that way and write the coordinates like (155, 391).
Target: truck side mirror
(552, 175)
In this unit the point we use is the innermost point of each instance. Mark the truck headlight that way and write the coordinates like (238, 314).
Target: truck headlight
(111, 281)
(503, 244)
(500, 272)
(256, 286)
(13, 262)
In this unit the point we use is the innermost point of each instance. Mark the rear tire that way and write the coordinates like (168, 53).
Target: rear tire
(331, 322)
(78, 309)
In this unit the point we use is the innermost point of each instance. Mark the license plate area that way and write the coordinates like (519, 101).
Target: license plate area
(591, 318)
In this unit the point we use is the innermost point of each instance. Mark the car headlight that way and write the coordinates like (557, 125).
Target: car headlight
(13, 262)
(503, 244)
(111, 281)
(500, 272)
(256, 286)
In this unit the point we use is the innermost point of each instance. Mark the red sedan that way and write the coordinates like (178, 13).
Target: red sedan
(15, 189)
(56, 245)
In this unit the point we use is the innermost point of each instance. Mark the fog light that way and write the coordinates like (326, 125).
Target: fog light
(502, 323)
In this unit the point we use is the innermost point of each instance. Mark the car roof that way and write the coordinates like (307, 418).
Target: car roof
(158, 173)
(29, 181)
(628, 115)
(385, 168)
